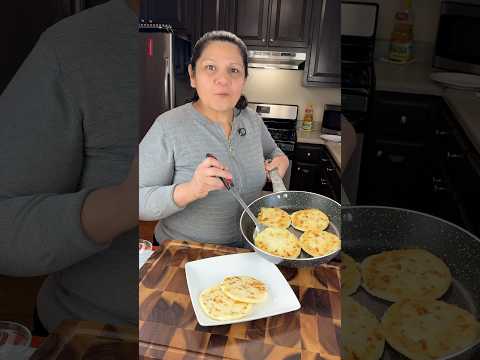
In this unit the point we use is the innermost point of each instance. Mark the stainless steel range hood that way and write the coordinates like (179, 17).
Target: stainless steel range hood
(275, 59)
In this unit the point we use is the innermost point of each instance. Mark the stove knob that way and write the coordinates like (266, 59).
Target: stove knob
(308, 154)
(403, 119)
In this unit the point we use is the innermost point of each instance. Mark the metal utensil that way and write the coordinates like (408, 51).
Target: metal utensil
(232, 190)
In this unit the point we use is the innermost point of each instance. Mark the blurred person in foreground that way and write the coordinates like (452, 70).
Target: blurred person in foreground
(69, 183)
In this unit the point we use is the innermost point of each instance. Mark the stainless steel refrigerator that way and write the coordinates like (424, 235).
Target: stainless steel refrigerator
(164, 59)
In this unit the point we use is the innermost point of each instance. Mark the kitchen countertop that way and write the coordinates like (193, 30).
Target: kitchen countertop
(412, 78)
(415, 78)
(313, 137)
(465, 105)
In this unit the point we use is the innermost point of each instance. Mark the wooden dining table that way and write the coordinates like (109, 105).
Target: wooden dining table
(168, 328)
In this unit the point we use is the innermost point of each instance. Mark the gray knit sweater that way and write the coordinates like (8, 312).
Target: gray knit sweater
(171, 151)
(68, 125)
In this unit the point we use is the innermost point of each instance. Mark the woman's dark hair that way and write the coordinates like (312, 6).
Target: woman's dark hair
(220, 35)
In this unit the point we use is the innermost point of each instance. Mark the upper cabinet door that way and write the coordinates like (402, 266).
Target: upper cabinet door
(212, 15)
(322, 67)
(250, 21)
(177, 13)
(290, 23)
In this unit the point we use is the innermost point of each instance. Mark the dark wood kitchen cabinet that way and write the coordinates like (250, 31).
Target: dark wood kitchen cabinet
(211, 15)
(314, 170)
(397, 167)
(396, 175)
(323, 63)
(417, 156)
(405, 118)
(458, 165)
(272, 23)
(85, 4)
(178, 13)
(249, 20)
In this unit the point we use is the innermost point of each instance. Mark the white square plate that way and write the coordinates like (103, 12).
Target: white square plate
(202, 274)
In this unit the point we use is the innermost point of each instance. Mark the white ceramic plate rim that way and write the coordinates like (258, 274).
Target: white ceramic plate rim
(252, 316)
(461, 80)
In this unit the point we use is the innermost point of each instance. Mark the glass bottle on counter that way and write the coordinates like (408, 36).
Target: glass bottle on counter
(308, 118)
(401, 41)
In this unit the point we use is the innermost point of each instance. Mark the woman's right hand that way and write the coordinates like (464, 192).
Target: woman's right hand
(204, 180)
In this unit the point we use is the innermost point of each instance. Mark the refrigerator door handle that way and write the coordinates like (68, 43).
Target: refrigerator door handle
(167, 84)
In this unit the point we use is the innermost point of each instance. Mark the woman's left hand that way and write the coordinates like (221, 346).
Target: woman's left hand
(280, 162)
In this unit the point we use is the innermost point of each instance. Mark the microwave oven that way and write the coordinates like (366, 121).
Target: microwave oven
(456, 46)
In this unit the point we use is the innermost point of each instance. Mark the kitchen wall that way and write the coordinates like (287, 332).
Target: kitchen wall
(285, 87)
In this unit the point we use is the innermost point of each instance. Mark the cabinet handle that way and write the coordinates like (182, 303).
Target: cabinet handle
(329, 169)
(454, 156)
(441, 132)
(263, 40)
(272, 39)
(437, 188)
(436, 180)
(403, 119)
(298, 169)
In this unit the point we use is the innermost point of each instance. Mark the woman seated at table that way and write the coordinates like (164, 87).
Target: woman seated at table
(177, 183)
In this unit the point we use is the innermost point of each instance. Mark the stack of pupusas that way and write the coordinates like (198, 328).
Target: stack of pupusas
(233, 298)
(417, 325)
(278, 240)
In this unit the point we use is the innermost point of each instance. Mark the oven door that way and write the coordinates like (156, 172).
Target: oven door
(457, 36)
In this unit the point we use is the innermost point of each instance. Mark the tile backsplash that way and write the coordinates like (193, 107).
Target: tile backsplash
(286, 87)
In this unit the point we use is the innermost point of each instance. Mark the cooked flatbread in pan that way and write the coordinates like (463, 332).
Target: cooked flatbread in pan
(362, 338)
(351, 276)
(429, 329)
(274, 217)
(405, 274)
(309, 219)
(279, 242)
(319, 243)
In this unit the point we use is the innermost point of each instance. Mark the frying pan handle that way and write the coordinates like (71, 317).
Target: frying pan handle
(277, 182)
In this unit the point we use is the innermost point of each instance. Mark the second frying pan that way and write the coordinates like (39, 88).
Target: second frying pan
(369, 230)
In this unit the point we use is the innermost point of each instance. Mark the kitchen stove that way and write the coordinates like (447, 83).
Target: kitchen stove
(358, 72)
(358, 80)
(281, 122)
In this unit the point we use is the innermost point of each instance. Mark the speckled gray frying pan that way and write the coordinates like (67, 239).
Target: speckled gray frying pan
(368, 230)
(291, 201)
